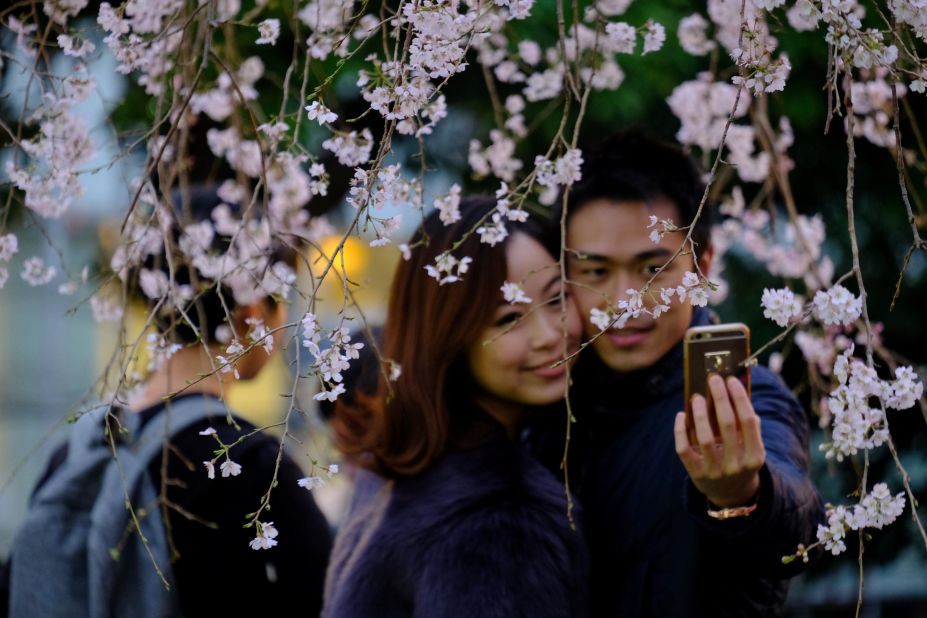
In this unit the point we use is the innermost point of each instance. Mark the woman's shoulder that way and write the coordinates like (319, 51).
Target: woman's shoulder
(488, 522)
(497, 526)
(497, 485)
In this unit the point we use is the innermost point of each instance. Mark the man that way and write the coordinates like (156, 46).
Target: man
(680, 522)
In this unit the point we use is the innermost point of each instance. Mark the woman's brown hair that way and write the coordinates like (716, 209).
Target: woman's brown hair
(409, 423)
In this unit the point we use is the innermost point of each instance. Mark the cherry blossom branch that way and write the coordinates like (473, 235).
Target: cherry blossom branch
(918, 243)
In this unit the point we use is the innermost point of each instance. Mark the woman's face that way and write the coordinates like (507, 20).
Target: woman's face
(512, 358)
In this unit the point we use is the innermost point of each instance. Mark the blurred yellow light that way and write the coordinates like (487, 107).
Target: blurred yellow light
(356, 255)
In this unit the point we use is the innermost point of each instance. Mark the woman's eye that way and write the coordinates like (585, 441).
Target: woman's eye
(554, 300)
(507, 318)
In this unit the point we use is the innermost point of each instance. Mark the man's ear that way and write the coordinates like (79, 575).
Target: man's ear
(705, 259)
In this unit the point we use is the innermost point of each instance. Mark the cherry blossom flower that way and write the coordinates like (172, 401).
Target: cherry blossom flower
(311, 482)
(692, 35)
(833, 534)
(60, 10)
(518, 9)
(905, 390)
(269, 30)
(493, 232)
(881, 507)
(210, 469)
(36, 273)
(318, 112)
(611, 8)
(513, 293)
(229, 468)
(837, 306)
(601, 319)
(330, 394)
(877, 509)
(66, 43)
(768, 5)
(622, 37)
(9, 246)
(497, 159)
(258, 333)
(780, 305)
(351, 149)
(654, 37)
(159, 350)
(105, 309)
(529, 51)
(447, 268)
(803, 16)
(544, 85)
(448, 206)
(266, 536)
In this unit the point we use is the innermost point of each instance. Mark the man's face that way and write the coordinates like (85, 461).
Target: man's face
(610, 251)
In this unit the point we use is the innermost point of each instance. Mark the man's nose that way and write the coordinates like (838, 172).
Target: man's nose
(621, 283)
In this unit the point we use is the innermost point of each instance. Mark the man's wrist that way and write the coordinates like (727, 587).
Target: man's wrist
(745, 498)
(730, 513)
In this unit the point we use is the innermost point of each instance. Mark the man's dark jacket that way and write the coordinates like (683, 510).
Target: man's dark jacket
(654, 550)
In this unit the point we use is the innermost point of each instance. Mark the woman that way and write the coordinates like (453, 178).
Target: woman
(451, 517)
(213, 563)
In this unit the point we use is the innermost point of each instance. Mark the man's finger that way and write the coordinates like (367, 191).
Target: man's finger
(703, 433)
(688, 456)
(727, 422)
(754, 451)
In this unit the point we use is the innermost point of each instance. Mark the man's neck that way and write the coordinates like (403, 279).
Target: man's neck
(189, 370)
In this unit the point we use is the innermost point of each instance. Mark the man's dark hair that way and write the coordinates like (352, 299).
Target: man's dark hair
(635, 166)
(210, 306)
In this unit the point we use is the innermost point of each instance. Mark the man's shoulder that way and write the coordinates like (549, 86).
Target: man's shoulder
(766, 387)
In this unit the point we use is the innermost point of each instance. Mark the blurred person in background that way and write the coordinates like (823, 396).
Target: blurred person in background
(79, 552)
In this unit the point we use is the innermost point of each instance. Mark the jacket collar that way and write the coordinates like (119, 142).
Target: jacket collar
(629, 392)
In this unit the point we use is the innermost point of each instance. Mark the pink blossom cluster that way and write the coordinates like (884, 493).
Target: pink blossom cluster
(857, 424)
(703, 107)
(328, 364)
(9, 246)
(692, 287)
(794, 252)
(447, 268)
(781, 305)
(136, 38)
(873, 107)
(50, 180)
(371, 192)
(877, 509)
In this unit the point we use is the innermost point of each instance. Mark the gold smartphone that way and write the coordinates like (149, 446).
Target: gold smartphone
(719, 348)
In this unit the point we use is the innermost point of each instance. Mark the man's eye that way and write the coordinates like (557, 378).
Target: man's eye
(652, 269)
(593, 272)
